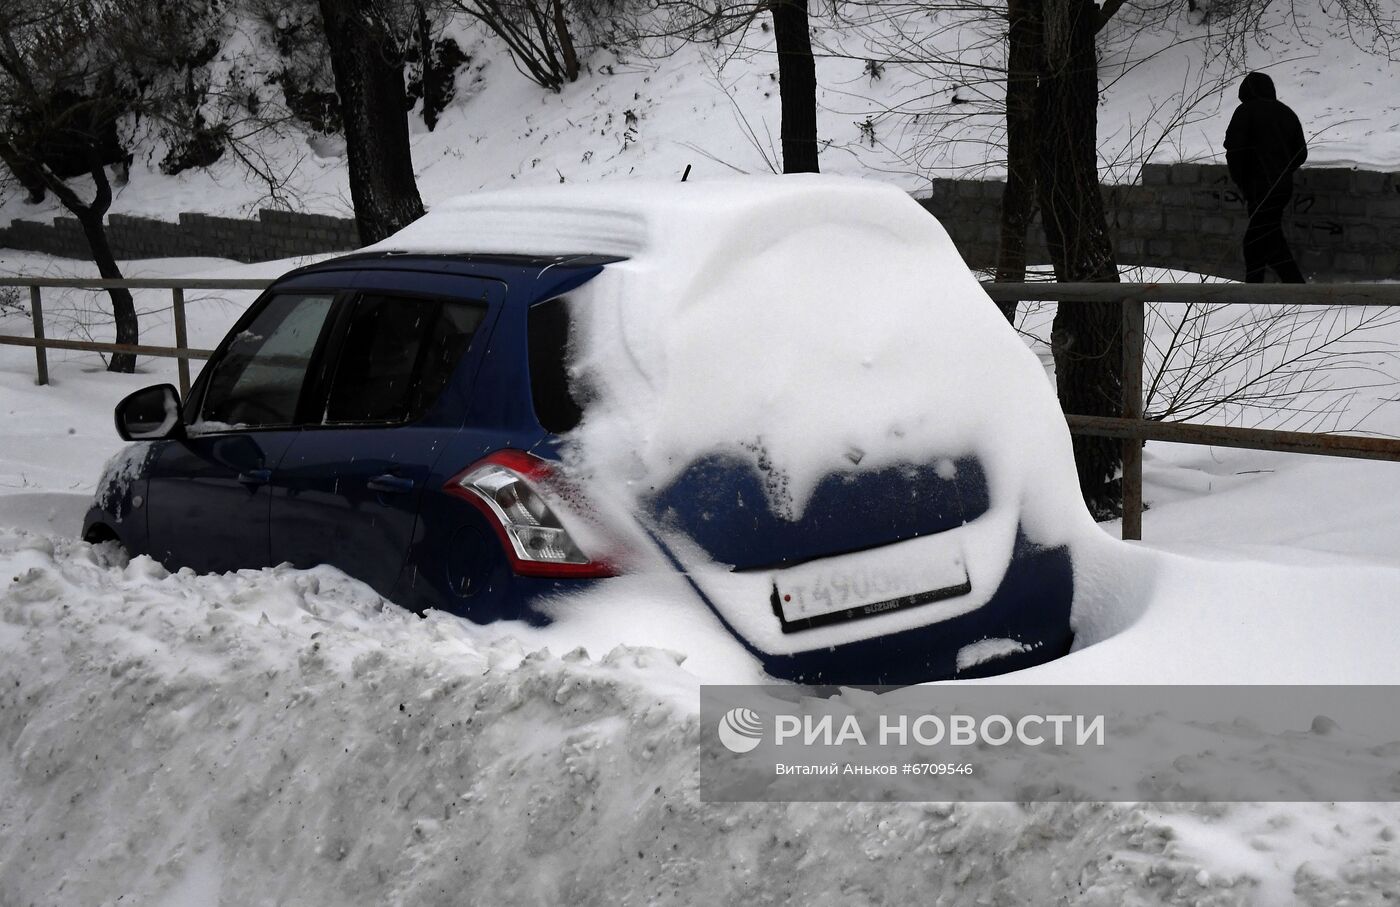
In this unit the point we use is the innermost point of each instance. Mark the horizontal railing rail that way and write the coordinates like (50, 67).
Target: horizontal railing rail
(1133, 429)
(139, 283)
(177, 286)
(1350, 294)
(98, 346)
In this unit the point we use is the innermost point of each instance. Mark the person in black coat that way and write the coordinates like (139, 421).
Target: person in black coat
(1264, 144)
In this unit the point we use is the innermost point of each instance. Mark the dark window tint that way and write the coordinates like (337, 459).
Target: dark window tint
(397, 357)
(258, 380)
(556, 406)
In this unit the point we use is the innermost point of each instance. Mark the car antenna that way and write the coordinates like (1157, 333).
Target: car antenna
(686, 174)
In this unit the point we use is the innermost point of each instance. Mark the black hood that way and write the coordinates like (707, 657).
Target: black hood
(1257, 86)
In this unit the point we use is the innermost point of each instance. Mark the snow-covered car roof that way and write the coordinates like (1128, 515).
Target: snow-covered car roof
(630, 217)
(810, 322)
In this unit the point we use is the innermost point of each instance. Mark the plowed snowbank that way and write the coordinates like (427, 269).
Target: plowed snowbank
(285, 737)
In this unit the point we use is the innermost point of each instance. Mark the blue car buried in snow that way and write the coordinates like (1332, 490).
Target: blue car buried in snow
(789, 391)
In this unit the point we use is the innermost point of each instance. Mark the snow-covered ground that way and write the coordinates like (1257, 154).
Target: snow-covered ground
(285, 736)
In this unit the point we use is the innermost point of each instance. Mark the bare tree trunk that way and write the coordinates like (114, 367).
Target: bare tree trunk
(1085, 337)
(797, 85)
(1018, 198)
(428, 80)
(123, 307)
(566, 42)
(372, 106)
(90, 216)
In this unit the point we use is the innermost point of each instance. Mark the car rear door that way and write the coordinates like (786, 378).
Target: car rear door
(398, 370)
(207, 495)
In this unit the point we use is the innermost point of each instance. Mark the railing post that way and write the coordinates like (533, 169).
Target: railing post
(1132, 409)
(183, 365)
(41, 356)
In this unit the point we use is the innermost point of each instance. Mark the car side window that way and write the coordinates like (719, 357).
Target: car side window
(555, 393)
(397, 355)
(257, 381)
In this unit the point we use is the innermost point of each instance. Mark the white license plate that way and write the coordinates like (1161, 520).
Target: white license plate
(865, 584)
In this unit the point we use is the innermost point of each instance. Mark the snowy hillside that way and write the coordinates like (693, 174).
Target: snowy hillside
(1168, 93)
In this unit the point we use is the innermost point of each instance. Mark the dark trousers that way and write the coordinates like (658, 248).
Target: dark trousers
(1265, 246)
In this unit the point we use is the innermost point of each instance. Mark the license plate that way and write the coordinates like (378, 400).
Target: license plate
(874, 582)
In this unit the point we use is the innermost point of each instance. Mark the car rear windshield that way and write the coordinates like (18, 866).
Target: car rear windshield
(556, 398)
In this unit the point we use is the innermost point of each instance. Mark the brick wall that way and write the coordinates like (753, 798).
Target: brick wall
(1343, 224)
(275, 234)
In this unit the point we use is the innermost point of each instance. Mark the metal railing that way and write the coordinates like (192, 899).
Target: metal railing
(1131, 428)
(177, 287)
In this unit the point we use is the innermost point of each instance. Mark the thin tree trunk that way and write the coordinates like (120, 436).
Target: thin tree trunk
(370, 87)
(123, 307)
(1018, 198)
(546, 46)
(1085, 338)
(428, 81)
(90, 216)
(566, 42)
(797, 85)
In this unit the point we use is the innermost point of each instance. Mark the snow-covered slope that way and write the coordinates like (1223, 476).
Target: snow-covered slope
(716, 107)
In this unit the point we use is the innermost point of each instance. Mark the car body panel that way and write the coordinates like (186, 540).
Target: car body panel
(119, 509)
(357, 514)
(208, 500)
(457, 563)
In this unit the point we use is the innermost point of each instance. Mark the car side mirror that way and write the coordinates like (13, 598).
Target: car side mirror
(150, 414)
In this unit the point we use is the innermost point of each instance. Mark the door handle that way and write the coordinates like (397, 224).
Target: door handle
(255, 477)
(390, 484)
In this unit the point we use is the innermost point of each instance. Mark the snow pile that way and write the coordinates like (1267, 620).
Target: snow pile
(286, 737)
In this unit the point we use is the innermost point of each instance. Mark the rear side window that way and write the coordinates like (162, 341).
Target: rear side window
(396, 357)
(556, 405)
(258, 380)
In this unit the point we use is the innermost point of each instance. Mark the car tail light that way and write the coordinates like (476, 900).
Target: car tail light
(509, 487)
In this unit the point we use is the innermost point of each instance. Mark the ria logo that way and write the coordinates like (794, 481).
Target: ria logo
(740, 730)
